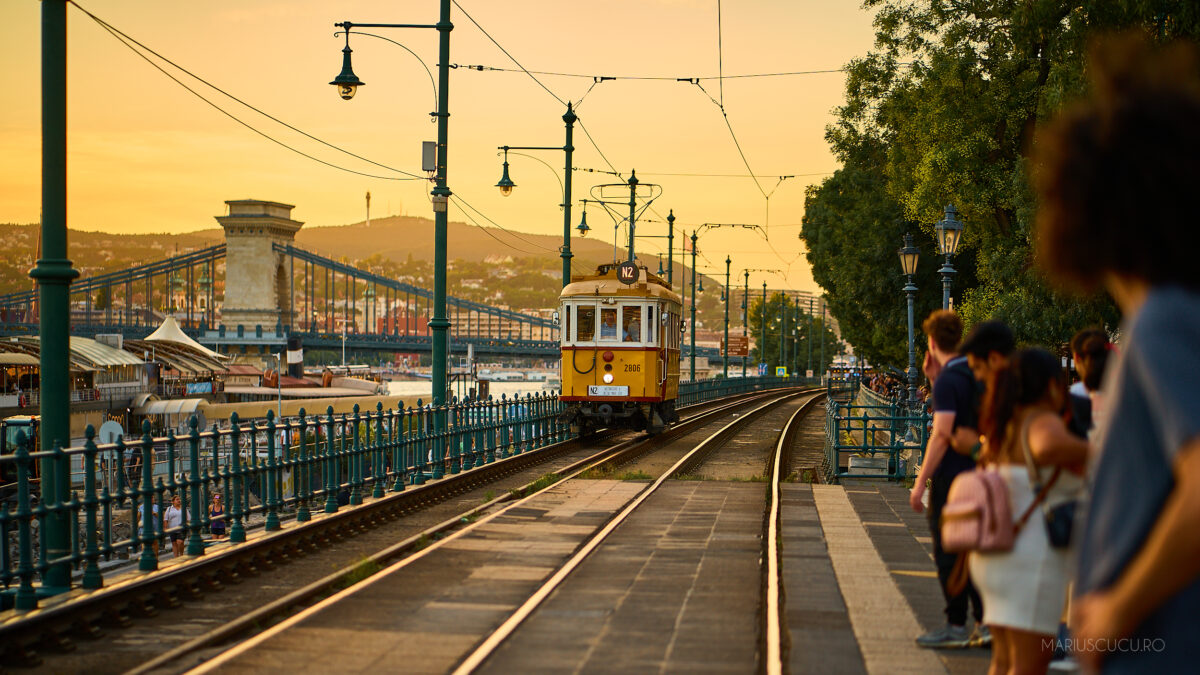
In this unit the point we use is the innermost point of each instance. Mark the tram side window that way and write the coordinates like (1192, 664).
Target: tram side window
(631, 324)
(652, 332)
(566, 329)
(585, 322)
(608, 323)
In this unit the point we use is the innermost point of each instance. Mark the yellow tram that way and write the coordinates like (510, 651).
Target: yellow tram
(620, 332)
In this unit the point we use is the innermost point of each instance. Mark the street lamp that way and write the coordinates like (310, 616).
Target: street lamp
(583, 226)
(908, 263)
(506, 186)
(948, 230)
(439, 324)
(347, 82)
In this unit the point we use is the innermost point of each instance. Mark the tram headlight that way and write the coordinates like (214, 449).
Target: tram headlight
(608, 378)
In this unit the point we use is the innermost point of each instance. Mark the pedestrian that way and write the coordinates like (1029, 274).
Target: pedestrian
(216, 515)
(947, 454)
(1115, 179)
(173, 525)
(987, 348)
(1090, 349)
(1025, 589)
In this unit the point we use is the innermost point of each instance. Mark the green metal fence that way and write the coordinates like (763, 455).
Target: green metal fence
(267, 471)
(884, 432)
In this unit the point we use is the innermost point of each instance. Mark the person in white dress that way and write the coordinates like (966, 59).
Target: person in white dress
(1024, 590)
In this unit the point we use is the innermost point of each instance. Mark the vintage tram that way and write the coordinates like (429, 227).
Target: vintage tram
(621, 333)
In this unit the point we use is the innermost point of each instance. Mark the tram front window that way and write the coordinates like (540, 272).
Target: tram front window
(585, 320)
(608, 323)
(631, 327)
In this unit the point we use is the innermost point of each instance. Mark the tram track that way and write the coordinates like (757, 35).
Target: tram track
(352, 542)
(615, 456)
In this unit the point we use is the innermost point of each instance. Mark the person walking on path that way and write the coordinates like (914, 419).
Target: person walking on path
(947, 455)
(1129, 155)
(216, 515)
(173, 525)
(1025, 589)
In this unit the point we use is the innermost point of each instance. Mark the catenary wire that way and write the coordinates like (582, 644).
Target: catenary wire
(125, 39)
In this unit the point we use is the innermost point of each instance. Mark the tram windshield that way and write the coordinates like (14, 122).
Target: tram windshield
(586, 322)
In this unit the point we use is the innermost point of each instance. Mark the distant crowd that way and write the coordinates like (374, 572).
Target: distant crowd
(1066, 520)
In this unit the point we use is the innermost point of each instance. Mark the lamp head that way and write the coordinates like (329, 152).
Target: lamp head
(346, 82)
(506, 185)
(949, 230)
(583, 226)
(908, 256)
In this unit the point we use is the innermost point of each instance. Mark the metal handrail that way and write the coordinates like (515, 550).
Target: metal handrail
(268, 470)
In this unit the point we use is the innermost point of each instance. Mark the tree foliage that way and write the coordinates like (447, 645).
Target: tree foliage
(945, 109)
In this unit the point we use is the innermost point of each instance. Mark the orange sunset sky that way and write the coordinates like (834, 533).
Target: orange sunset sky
(147, 156)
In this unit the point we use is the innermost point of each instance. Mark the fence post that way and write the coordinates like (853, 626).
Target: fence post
(91, 573)
(396, 445)
(149, 559)
(332, 477)
(26, 596)
(356, 467)
(237, 533)
(195, 544)
(303, 477)
(272, 474)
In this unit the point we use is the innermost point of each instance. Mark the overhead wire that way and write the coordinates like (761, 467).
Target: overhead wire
(659, 78)
(126, 40)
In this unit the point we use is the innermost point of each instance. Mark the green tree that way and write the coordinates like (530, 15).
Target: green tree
(103, 298)
(946, 109)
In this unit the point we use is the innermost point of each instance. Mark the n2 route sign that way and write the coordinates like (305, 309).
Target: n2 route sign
(627, 273)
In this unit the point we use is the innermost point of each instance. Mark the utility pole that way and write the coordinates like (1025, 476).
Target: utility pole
(693, 359)
(725, 356)
(782, 325)
(746, 317)
(810, 327)
(762, 350)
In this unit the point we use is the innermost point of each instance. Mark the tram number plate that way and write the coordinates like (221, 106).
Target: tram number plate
(595, 390)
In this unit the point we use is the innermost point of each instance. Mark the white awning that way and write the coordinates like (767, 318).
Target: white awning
(174, 406)
(170, 331)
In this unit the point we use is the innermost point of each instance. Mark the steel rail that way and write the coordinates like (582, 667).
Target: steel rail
(772, 634)
(506, 629)
(572, 471)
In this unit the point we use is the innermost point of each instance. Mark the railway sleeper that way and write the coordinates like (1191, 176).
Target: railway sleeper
(18, 653)
(56, 641)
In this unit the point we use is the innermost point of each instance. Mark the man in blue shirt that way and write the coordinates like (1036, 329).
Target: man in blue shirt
(954, 433)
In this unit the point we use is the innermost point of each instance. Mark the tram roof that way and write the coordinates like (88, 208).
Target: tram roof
(605, 283)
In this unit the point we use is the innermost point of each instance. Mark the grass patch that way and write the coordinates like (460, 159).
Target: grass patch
(634, 475)
(488, 496)
(689, 476)
(602, 471)
(363, 569)
(749, 479)
(542, 483)
(422, 542)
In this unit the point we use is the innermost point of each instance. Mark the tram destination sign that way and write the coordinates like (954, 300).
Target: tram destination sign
(627, 272)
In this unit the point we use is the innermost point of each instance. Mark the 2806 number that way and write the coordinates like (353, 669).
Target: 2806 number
(633, 367)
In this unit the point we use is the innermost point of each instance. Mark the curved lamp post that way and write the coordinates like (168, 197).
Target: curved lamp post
(908, 263)
(506, 186)
(347, 84)
(949, 230)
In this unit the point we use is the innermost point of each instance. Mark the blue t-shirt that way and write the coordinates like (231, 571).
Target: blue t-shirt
(956, 391)
(1153, 410)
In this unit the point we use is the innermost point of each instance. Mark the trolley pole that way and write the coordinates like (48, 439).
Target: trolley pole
(693, 358)
(725, 355)
(53, 275)
(633, 183)
(671, 247)
(746, 317)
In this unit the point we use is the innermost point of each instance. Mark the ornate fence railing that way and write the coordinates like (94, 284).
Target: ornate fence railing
(267, 471)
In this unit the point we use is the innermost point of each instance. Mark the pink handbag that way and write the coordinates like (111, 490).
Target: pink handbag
(977, 516)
